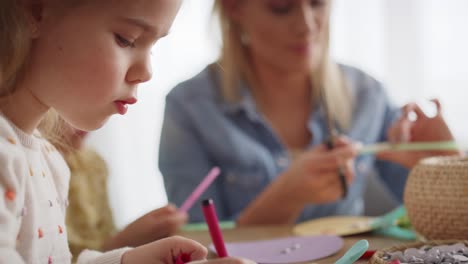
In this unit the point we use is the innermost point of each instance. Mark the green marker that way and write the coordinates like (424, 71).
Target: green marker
(203, 227)
(415, 146)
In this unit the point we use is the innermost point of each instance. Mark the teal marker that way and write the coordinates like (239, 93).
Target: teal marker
(354, 253)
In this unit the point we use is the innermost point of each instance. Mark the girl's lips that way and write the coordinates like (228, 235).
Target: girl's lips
(132, 100)
(301, 48)
(121, 107)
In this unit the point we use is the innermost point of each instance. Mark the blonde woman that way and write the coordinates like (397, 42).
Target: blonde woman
(263, 112)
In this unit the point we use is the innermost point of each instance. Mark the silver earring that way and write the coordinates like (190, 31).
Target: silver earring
(245, 40)
(34, 28)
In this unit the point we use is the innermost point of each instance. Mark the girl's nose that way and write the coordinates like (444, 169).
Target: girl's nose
(140, 72)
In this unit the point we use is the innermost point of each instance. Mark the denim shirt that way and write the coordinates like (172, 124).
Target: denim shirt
(201, 130)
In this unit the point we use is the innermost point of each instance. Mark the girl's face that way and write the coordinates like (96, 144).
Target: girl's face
(87, 62)
(285, 34)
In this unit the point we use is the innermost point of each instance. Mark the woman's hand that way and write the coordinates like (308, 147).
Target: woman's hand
(423, 129)
(312, 178)
(313, 175)
(157, 224)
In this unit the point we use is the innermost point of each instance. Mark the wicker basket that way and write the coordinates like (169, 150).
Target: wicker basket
(436, 198)
(377, 257)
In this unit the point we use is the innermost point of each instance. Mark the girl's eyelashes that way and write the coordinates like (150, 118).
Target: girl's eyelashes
(123, 42)
(318, 3)
(283, 7)
(280, 7)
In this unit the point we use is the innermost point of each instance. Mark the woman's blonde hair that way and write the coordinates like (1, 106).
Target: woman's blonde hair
(327, 78)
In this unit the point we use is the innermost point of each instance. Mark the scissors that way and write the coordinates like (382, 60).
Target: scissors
(389, 224)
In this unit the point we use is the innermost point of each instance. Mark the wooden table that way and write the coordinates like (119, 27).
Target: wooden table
(271, 232)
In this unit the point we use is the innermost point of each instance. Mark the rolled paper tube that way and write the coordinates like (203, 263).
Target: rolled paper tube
(414, 146)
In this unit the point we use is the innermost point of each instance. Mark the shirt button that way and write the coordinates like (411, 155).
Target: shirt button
(282, 161)
(362, 167)
(230, 178)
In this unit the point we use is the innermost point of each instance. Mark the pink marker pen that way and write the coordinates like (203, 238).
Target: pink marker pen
(215, 232)
(205, 183)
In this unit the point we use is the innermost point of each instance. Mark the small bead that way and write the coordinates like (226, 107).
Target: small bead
(40, 233)
(60, 230)
(10, 195)
(296, 246)
(23, 211)
(50, 203)
(50, 260)
(12, 141)
(43, 174)
(31, 172)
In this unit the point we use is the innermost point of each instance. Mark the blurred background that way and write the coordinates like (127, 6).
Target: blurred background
(417, 48)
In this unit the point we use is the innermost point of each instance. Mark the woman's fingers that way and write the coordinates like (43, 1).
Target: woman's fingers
(331, 159)
(413, 108)
(330, 192)
(349, 171)
(438, 106)
(400, 131)
(342, 141)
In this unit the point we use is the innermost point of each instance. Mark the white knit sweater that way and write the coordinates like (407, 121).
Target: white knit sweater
(33, 197)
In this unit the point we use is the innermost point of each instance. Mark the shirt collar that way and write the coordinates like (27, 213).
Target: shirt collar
(316, 123)
(245, 104)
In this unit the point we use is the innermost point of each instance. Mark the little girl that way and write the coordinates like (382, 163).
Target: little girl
(83, 60)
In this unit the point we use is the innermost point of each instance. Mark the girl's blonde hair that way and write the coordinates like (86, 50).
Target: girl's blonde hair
(327, 78)
(15, 45)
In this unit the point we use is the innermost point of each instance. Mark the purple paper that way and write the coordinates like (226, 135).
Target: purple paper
(285, 250)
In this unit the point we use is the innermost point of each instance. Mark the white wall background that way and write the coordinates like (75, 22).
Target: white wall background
(416, 47)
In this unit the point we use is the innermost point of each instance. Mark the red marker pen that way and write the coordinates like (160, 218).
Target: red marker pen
(215, 232)
(368, 254)
(182, 259)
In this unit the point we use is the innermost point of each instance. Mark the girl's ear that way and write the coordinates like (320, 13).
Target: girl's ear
(35, 13)
(232, 8)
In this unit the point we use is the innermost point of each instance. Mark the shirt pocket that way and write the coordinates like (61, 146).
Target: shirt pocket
(242, 185)
(244, 178)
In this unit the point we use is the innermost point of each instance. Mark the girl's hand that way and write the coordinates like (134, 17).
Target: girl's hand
(424, 128)
(313, 176)
(228, 260)
(165, 251)
(157, 224)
